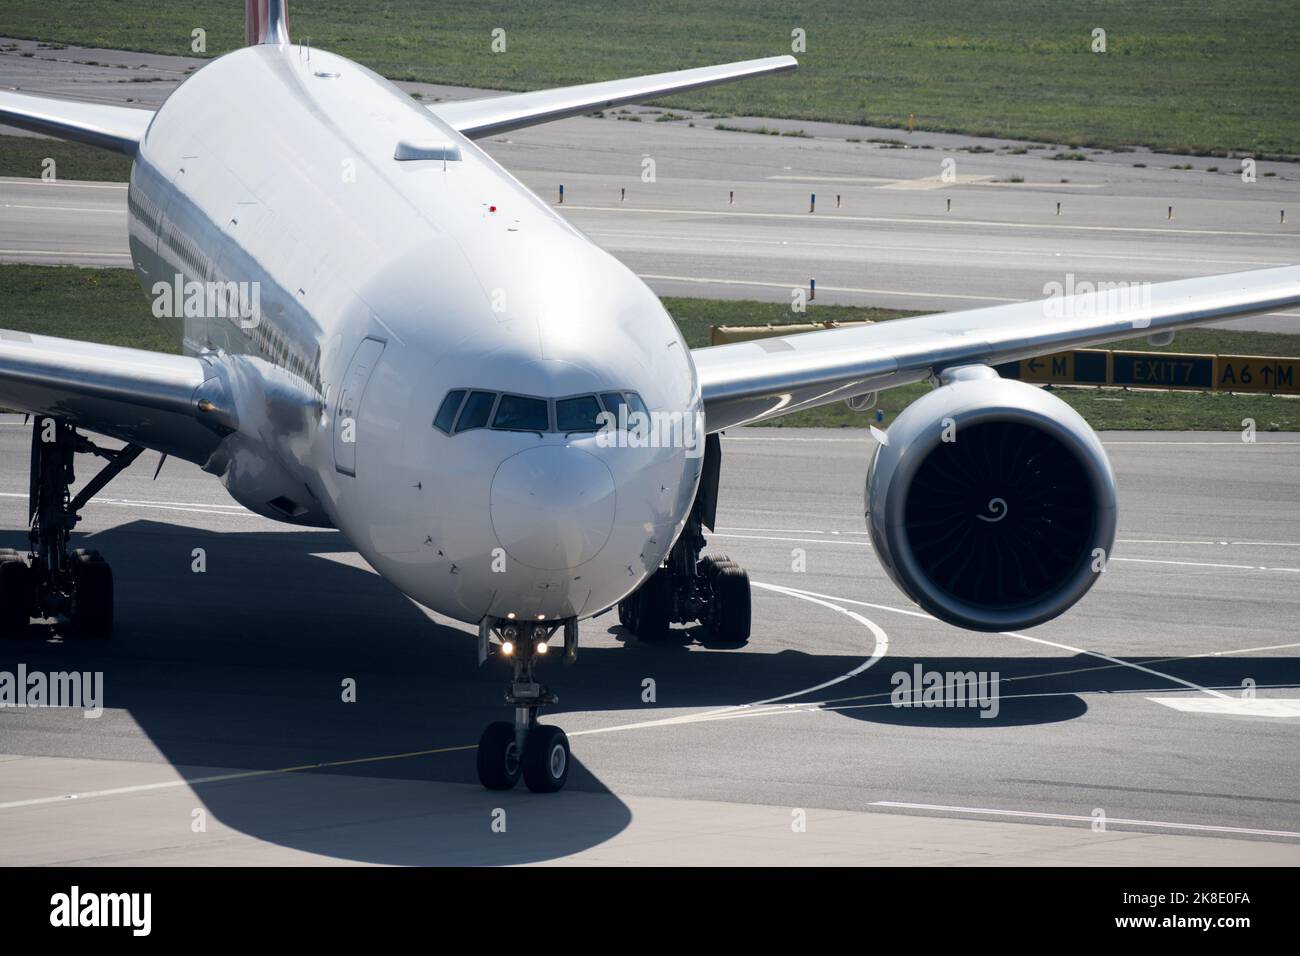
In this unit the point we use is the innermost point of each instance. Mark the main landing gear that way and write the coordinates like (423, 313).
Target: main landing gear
(712, 589)
(50, 580)
(537, 752)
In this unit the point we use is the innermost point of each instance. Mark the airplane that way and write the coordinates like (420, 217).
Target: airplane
(387, 334)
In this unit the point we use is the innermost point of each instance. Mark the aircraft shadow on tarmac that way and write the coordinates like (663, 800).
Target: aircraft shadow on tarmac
(242, 667)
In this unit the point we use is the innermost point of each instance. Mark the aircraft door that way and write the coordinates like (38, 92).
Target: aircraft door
(349, 405)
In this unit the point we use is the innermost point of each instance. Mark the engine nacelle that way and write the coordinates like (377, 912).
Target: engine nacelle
(991, 503)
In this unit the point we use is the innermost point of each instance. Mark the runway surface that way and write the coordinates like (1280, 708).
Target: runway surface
(899, 235)
(223, 700)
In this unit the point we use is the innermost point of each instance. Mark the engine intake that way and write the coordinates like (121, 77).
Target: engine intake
(991, 504)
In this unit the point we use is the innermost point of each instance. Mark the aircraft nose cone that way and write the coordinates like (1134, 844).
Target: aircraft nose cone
(552, 506)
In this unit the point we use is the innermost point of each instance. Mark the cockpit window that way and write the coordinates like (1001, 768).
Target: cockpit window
(577, 414)
(614, 401)
(622, 405)
(518, 413)
(447, 411)
(476, 411)
(581, 413)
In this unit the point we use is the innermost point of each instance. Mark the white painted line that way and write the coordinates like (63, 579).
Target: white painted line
(863, 439)
(1204, 564)
(1075, 818)
(48, 252)
(115, 211)
(881, 648)
(1026, 637)
(210, 509)
(1164, 561)
(743, 710)
(796, 531)
(732, 532)
(221, 778)
(66, 183)
(1202, 444)
(824, 288)
(1248, 650)
(904, 220)
(1234, 707)
(953, 249)
(138, 788)
(834, 179)
(1116, 660)
(762, 537)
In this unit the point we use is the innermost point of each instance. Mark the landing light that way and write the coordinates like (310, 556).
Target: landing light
(507, 648)
(541, 647)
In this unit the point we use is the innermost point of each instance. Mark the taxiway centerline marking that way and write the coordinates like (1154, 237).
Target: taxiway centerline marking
(1076, 818)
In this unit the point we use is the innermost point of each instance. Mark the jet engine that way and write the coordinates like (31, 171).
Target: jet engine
(991, 503)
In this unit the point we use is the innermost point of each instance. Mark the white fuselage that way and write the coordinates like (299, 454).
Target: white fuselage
(381, 286)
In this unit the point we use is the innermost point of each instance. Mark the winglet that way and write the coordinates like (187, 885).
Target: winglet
(266, 21)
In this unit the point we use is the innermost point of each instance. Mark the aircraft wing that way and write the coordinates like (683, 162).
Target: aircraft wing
(112, 127)
(751, 381)
(164, 402)
(500, 114)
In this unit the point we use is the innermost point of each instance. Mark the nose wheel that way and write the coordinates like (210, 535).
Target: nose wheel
(537, 752)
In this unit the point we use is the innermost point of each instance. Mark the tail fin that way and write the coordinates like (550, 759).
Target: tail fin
(265, 21)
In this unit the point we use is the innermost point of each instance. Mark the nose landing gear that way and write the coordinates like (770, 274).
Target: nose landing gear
(537, 752)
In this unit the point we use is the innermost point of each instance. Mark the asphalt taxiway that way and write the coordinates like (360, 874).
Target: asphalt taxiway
(699, 211)
(1127, 731)
(1154, 723)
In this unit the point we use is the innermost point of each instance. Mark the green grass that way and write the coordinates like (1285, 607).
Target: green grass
(97, 305)
(696, 316)
(26, 155)
(109, 306)
(1179, 74)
